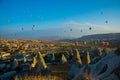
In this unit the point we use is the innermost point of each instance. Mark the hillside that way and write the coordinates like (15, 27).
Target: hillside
(113, 38)
(109, 36)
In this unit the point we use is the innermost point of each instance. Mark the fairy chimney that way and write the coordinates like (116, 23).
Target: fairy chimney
(78, 56)
(41, 65)
(63, 58)
(53, 56)
(86, 58)
(34, 62)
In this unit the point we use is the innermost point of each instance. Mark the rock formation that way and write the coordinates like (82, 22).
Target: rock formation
(63, 58)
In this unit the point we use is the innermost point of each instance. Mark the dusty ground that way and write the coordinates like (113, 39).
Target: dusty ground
(60, 70)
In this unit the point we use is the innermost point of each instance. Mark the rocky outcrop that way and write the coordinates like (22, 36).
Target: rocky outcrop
(76, 65)
(41, 65)
(86, 58)
(34, 62)
(77, 57)
(105, 69)
(63, 59)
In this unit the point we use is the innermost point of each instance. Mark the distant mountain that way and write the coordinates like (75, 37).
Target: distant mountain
(101, 36)
(109, 36)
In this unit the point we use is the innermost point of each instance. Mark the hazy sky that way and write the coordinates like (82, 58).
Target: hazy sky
(58, 17)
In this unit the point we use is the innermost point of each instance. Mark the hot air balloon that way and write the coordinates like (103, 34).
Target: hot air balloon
(64, 30)
(103, 43)
(95, 43)
(90, 28)
(106, 21)
(33, 27)
(76, 43)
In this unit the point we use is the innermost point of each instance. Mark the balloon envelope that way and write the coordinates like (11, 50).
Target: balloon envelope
(70, 29)
(90, 28)
(106, 21)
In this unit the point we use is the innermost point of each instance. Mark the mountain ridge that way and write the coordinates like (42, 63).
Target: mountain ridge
(107, 36)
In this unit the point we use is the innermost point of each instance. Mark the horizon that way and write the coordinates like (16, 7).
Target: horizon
(69, 18)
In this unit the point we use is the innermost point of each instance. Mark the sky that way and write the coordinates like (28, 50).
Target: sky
(69, 18)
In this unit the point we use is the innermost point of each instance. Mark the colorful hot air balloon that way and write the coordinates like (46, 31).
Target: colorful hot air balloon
(76, 43)
(95, 43)
(103, 43)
